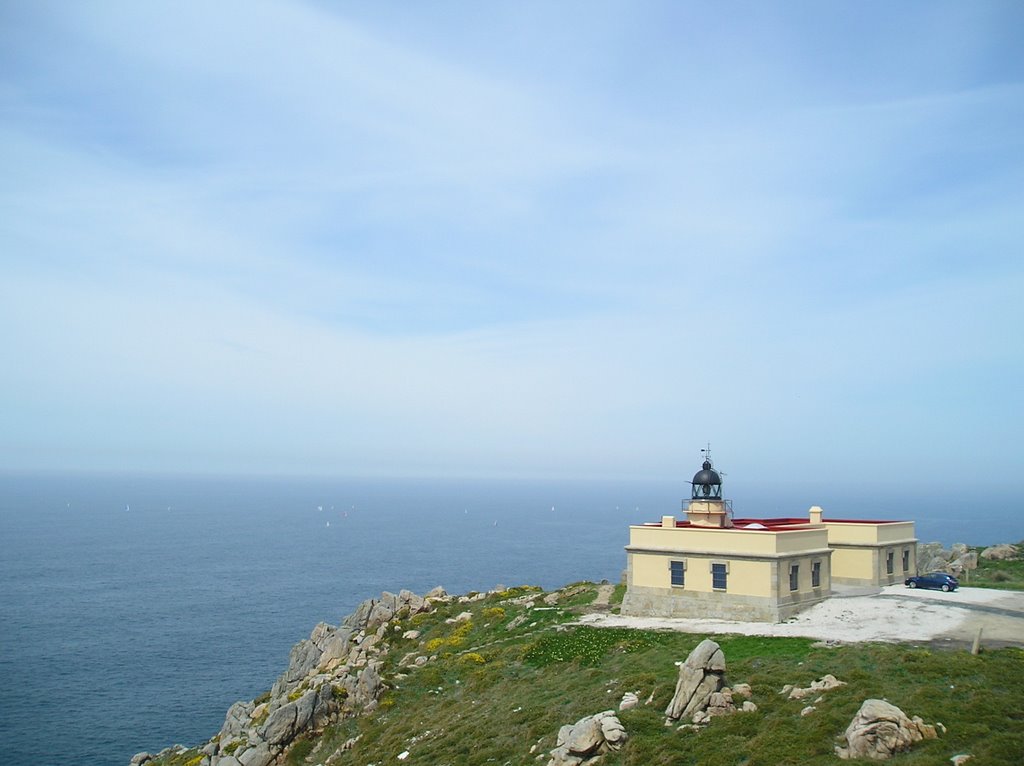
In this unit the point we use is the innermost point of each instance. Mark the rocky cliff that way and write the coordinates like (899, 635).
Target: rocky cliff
(334, 673)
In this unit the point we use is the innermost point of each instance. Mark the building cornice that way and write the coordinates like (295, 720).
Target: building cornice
(679, 552)
(887, 544)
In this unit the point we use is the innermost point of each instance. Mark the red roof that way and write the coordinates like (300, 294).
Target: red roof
(773, 525)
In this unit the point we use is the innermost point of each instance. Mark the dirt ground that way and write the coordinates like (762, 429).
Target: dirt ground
(894, 613)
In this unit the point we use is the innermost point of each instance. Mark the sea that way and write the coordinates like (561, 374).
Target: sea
(134, 610)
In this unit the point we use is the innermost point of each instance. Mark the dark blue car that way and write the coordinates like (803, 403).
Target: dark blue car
(935, 580)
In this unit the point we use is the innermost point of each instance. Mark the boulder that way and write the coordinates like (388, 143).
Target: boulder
(410, 601)
(304, 657)
(964, 562)
(357, 620)
(257, 756)
(367, 686)
(584, 737)
(436, 593)
(612, 729)
(309, 711)
(336, 646)
(700, 676)
(720, 703)
(281, 726)
(140, 758)
(629, 701)
(320, 633)
(823, 684)
(879, 730)
(932, 557)
(381, 612)
(588, 738)
(237, 720)
(1000, 552)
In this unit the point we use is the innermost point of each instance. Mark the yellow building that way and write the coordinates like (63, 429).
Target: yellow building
(713, 565)
(871, 552)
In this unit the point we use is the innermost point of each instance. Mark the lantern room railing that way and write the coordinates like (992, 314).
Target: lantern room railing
(726, 503)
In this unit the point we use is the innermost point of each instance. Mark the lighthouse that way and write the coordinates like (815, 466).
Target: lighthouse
(706, 508)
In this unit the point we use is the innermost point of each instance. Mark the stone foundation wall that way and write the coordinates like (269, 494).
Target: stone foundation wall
(673, 602)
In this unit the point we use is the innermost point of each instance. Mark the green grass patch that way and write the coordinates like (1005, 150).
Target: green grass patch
(587, 645)
(300, 751)
(1004, 575)
(618, 594)
(492, 693)
(532, 685)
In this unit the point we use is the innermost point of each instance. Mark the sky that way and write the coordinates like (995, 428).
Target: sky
(531, 239)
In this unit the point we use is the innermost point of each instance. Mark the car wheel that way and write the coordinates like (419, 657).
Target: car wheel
(912, 584)
(945, 589)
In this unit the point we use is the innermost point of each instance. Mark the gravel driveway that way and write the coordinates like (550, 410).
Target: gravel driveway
(895, 613)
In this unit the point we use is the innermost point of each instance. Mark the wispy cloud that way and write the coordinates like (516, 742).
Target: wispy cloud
(296, 237)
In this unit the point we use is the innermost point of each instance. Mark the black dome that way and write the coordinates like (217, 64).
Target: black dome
(707, 475)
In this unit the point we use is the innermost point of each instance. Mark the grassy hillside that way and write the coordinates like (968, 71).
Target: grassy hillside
(491, 694)
(1007, 575)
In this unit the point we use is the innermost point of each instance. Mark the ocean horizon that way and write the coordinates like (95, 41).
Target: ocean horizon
(137, 609)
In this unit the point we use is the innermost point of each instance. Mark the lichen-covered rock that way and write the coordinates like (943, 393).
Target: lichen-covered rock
(237, 720)
(257, 756)
(304, 657)
(700, 676)
(879, 730)
(1000, 552)
(588, 738)
(368, 686)
(310, 710)
(823, 684)
(336, 671)
(584, 737)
